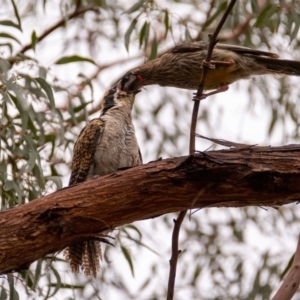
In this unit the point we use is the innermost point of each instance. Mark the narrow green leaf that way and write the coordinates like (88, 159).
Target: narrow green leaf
(17, 14)
(134, 7)
(142, 33)
(30, 163)
(146, 38)
(21, 104)
(32, 152)
(68, 286)
(273, 121)
(3, 294)
(33, 39)
(254, 7)
(48, 90)
(12, 291)
(296, 22)
(9, 23)
(167, 22)
(128, 258)
(4, 65)
(37, 273)
(82, 106)
(154, 46)
(44, 4)
(9, 184)
(9, 36)
(73, 58)
(27, 276)
(18, 191)
(288, 266)
(266, 14)
(128, 33)
(133, 227)
(9, 45)
(42, 72)
(58, 281)
(188, 37)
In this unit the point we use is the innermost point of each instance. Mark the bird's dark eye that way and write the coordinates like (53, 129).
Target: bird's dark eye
(128, 82)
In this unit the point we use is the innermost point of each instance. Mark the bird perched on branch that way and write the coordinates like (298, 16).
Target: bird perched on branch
(181, 67)
(105, 145)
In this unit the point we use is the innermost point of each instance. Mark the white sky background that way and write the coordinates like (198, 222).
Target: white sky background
(232, 118)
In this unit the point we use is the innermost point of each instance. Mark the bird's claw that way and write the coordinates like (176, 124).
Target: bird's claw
(208, 64)
(221, 89)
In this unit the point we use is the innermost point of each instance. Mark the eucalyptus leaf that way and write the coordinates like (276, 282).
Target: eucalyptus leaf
(72, 59)
(47, 88)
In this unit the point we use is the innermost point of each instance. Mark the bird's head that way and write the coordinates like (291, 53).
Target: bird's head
(118, 97)
(131, 82)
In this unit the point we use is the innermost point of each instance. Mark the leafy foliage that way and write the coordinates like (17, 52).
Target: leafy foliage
(53, 84)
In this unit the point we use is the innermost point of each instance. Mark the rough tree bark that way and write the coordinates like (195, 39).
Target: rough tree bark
(243, 176)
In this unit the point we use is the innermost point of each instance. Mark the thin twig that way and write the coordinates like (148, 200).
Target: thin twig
(178, 222)
(291, 282)
(60, 23)
(205, 65)
(175, 253)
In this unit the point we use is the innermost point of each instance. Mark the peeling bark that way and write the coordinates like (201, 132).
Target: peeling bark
(243, 176)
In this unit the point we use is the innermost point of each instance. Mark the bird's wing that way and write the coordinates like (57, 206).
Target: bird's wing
(237, 49)
(84, 150)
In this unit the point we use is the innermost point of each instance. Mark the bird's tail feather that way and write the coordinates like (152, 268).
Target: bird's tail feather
(84, 256)
(279, 66)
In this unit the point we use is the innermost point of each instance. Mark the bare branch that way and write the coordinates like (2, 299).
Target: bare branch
(206, 66)
(291, 282)
(175, 254)
(259, 176)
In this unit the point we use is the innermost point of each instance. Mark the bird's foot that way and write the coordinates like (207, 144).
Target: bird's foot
(223, 63)
(221, 89)
(208, 64)
(212, 64)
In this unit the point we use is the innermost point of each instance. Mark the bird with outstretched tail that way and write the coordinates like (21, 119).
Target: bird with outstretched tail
(181, 67)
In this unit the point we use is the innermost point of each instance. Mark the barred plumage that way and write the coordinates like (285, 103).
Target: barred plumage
(106, 144)
(181, 67)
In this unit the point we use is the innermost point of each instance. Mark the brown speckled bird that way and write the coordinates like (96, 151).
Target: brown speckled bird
(181, 67)
(105, 145)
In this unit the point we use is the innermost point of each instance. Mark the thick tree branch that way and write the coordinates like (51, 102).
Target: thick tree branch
(291, 283)
(260, 176)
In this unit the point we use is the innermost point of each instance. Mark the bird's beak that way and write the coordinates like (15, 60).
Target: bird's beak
(128, 83)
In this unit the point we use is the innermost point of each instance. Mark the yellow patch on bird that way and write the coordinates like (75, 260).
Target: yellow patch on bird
(219, 76)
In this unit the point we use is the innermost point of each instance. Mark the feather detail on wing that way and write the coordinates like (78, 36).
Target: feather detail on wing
(84, 150)
(237, 49)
